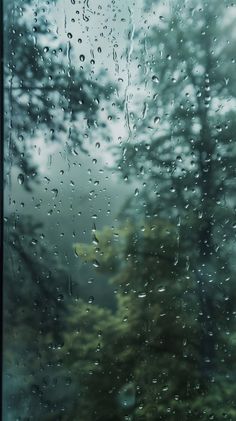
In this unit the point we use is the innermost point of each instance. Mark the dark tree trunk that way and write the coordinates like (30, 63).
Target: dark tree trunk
(206, 248)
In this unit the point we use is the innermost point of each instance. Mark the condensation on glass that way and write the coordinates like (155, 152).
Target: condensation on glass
(120, 210)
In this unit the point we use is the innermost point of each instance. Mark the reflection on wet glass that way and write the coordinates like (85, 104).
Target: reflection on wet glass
(120, 210)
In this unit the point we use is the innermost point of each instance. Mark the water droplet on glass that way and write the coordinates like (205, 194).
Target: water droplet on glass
(96, 264)
(179, 158)
(155, 79)
(21, 178)
(55, 191)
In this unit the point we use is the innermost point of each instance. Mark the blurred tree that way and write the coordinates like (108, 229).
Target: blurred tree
(35, 306)
(46, 98)
(180, 148)
(174, 279)
(142, 362)
(46, 95)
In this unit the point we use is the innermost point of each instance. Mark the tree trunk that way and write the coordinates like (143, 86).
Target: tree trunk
(206, 248)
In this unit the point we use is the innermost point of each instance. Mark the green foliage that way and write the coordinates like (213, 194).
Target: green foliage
(153, 336)
(34, 319)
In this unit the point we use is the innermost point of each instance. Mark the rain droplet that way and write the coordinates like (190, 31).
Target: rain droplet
(96, 264)
(82, 57)
(69, 35)
(55, 191)
(142, 295)
(91, 300)
(95, 240)
(155, 79)
(21, 178)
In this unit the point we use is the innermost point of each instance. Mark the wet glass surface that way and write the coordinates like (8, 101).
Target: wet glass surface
(120, 210)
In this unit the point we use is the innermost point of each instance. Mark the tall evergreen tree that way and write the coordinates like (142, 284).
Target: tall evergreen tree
(182, 147)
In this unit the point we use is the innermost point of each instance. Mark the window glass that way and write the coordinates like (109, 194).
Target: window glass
(120, 210)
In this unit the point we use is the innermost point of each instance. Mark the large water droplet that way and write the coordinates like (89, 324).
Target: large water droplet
(155, 79)
(96, 264)
(21, 179)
